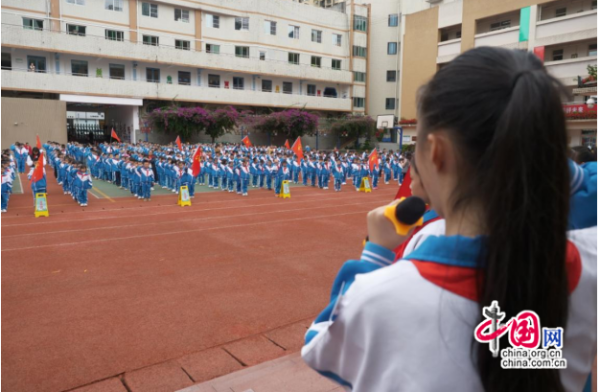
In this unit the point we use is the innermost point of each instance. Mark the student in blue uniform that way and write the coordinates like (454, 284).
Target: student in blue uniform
(244, 178)
(338, 176)
(185, 179)
(324, 174)
(387, 172)
(282, 175)
(230, 174)
(375, 175)
(82, 183)
(147, 180)
(6, 185)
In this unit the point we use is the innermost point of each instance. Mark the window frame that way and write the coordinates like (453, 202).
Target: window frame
(592, 51)
(290, 85)
(315, 61)
(393, 18)
(503, 24)
(189, 83)
(359, 23)
(268, 89)
(311, 87)
(270, 27)
(243, 22)
(395, 46)
(113, 5)
(387, 76)
(247, 49)
(183, 42)
(558, 53)
(81, 63)
(336, 39)
(359, 51)
(31, 25)
(359, 76)
(390, 107)
(215, 77)
(291, 55)
(262, 55)
(294, 33)
(150, 8)
(150, 36)
(9, 60)
(316, 36)
(556, 12)
(215, 21)
(339, 62)
(182, 12)
(69, 25)
(236, 86)
(153, 80)
(76, 2)
(212, 46)
(107, 35)
(112, 66)
(361, 102)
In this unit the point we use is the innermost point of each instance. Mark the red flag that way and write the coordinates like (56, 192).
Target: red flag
(247, 142)
(37, 142)
(114, 135)
(287, 144)
(196, 163)
(178, 141)
(38, 172)
(297, 149)
(404, 190)
(373, 159)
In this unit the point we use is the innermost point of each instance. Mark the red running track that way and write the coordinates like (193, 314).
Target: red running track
(91, 293)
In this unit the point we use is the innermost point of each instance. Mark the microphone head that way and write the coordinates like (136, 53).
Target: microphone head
(410, 210)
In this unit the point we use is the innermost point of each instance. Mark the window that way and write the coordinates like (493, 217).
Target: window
(153, 75)
(113, 5)
(6, 61)
(262, 55)
(315, 61)
(444, 36)
(181, 44)
(390, 103)
(359, 102)
(212, 21)
(592, 50)
(242, 51)
(336, 64)
(76, 30)
(214, 81)
(79, 68)
(561, 12)
(150, 40)
(182, 15)
(38, 62)
(184, 78)
(500, 25)
(393, 20)
(336, 39)
(294, 32)
(270, 27)
(392, 47)
(360, 23)
(311, 89)
(315, 36)
(287, 87)
(359, 51)
(595, 4)
(267, 86)
(33, 24)
(77, 2)
(458, 34)
(242, 23)
(150, 10)
(294, 58)
(359, 76)
(557, 55)
(116, 71)
(238, 83)
(391, 76)
(113, 35)
(212, 48)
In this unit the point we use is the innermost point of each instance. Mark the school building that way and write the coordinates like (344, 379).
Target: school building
(75, 67)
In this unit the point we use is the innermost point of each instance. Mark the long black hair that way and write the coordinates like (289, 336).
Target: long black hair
(503, 113)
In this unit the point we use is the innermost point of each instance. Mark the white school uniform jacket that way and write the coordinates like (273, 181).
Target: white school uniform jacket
(409, 326)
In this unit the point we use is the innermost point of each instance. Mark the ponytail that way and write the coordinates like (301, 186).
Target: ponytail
(504, 115)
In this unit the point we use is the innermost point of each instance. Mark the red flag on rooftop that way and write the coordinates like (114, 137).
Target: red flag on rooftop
(114, 135)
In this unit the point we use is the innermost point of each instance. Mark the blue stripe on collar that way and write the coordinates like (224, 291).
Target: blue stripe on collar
(449, 250)
(429, 215)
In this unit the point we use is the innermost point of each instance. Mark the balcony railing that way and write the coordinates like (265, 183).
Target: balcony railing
(63, 82)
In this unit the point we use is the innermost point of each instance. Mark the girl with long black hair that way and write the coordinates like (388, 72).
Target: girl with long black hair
(493, 159)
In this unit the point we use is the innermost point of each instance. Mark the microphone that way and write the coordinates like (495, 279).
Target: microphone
(405, 214)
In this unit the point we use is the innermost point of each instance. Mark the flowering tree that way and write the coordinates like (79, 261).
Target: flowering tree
(353, 127)
(291, 122)
(185, 121)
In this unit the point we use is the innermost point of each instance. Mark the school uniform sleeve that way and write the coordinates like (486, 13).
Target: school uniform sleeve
(584, 195)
